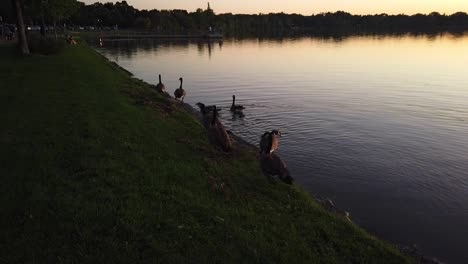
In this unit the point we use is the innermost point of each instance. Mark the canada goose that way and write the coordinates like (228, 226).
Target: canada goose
(218, 133)
(269, 141)
(160, 87)
(202, 108)
(273, 166)
(206, 119)
(180, 92)
(206, 109)
(265, 142)
(234, 107)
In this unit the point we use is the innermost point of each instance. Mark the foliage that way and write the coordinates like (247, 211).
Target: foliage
(97, 168)
(36, 10)
(60, 9)
(6, 11)
(126, 16)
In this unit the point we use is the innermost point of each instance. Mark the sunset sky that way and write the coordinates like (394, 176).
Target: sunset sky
(307, 6)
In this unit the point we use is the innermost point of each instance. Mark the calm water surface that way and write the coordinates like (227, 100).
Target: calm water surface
(377, 124)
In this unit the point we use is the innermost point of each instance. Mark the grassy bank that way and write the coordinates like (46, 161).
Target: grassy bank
(97, 168)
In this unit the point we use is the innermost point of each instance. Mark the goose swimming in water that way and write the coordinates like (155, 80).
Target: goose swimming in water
(269, 142)
(234, 107)
(160, 87)
(180, 92)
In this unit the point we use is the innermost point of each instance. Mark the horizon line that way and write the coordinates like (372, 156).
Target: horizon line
(293, 13)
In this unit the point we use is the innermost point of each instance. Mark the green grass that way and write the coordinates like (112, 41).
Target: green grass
(91, 175)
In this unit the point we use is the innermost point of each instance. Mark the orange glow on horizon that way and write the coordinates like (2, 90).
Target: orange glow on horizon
(307, 7)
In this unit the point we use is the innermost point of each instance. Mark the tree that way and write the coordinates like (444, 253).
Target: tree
(58, 10)
(6, 11)
(22, 40)
(126, 16)
(143, 22)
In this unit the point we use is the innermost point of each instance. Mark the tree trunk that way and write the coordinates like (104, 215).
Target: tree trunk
(22, 40)
(55, 28)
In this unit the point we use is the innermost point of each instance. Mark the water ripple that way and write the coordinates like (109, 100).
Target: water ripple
(374, 123)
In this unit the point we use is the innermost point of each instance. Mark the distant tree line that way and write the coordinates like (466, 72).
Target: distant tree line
(126, 16)
(73, 13)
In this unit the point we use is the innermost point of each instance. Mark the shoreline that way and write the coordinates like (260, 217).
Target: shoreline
(189, 108)
(324, 202)
(97, 161)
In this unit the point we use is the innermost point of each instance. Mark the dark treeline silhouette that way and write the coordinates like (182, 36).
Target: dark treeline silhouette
(340, 22)
(167, 21)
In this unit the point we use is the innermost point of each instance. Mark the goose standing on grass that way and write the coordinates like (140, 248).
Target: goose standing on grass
(206, 110)
(218, 133)
(272, 166)
(270, 163)
(160, 87)
(180, 92)
(236, 108)
(269, 142)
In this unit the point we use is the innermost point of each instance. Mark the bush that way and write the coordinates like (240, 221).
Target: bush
(45, 45)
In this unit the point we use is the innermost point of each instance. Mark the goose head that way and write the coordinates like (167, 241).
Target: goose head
(276, 132)
(202, 108)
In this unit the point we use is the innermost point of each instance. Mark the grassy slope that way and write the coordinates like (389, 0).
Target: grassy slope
(88, 175)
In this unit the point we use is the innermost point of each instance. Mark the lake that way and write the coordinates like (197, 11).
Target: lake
(378, 124)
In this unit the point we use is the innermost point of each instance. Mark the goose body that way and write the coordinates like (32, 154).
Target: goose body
(269, 142)
(202, 108)
(273, 166)
(160, 87)
(180, 92)
(205, 114)
(234, 107)
(265, 143)
(218, 133)
(206, 109)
